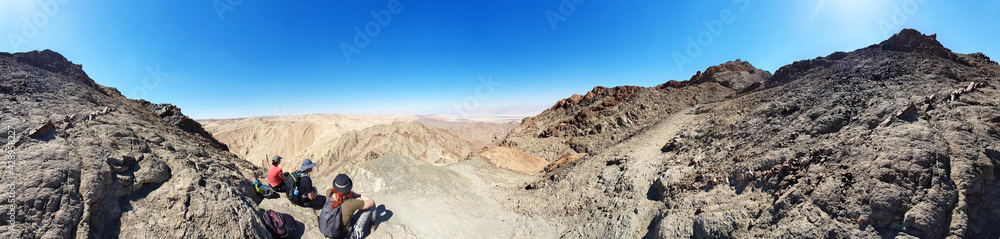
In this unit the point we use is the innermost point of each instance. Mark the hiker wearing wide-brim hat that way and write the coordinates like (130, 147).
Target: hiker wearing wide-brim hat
(357, 211)
(305, 187)
(275, 176)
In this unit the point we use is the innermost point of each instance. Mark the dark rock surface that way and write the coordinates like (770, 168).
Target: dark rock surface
(896, 139)
(173, 115)
(605, 116)
(111, 167)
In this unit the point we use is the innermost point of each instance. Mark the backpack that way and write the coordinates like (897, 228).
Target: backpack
(279, 224)
(329, 221)
(293, 187)
(265, 190)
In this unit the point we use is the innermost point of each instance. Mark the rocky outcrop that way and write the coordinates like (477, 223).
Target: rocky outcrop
(604, 116)
(173, 115)
(737, 75)
(856, 144)
(108, 166)
(910, 40)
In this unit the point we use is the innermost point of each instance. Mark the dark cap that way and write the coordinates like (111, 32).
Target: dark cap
(275, 158)
(342, 183)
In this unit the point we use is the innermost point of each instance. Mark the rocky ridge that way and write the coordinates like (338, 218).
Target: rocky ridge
(896, 139)
(92, 164)
(605, 116)
(295, 137)
(893, 140)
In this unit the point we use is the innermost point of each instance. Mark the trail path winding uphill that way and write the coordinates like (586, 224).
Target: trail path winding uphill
(646, 158)
(607, 195)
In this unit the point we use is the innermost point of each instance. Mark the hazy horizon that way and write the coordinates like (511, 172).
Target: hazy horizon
(232, 59)
(493, 114)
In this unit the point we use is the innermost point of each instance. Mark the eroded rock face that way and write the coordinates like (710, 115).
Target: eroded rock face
(109, 166)
(411, 140)
(737, 75)
(605, 116)
(857, 144)
(173, 115)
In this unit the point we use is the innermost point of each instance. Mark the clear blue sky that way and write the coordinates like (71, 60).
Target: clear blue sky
(286, 57)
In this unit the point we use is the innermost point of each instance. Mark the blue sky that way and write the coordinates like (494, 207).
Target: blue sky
(224, 59)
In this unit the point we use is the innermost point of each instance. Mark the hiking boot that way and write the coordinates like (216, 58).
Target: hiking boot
(374, 214)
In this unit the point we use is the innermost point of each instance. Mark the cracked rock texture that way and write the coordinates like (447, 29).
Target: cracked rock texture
(896, 139)
(112, 167)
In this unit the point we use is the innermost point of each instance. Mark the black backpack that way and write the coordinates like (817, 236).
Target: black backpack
(329, 221)
(293, 187)
(279, 224)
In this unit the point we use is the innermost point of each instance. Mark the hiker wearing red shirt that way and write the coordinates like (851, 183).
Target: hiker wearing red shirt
(275, 177)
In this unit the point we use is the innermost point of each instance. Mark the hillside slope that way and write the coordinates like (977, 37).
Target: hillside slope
(605, 116)
(412, 140)
(89, 163)
(896, 139)
(295, 137)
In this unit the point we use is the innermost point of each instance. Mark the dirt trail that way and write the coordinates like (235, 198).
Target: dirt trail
(645, 159)
(607, 195)
(647, 147)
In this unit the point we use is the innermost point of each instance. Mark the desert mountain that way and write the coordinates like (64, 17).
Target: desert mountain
(893, 140)
(335, 138)
(294, 137)
(606, 116)
(89, 163)
(483, 134)
(896, 139)
(424, 166)
(412, 140)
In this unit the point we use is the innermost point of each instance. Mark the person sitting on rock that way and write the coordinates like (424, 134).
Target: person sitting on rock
(307, 192)
(275, 177)
(357, 211)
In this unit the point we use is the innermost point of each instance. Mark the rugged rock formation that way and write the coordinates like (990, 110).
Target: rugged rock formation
(738, 75)
(173, 115)
(606, 116)
(484, 134)
(107, 166)
(896, 139)
(294, 137)
(412, 140)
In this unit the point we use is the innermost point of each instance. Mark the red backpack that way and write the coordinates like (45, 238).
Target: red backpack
(279, 224)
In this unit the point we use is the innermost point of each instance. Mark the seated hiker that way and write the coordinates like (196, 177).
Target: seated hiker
(357, 211)
(275, 177)
(303, 193)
